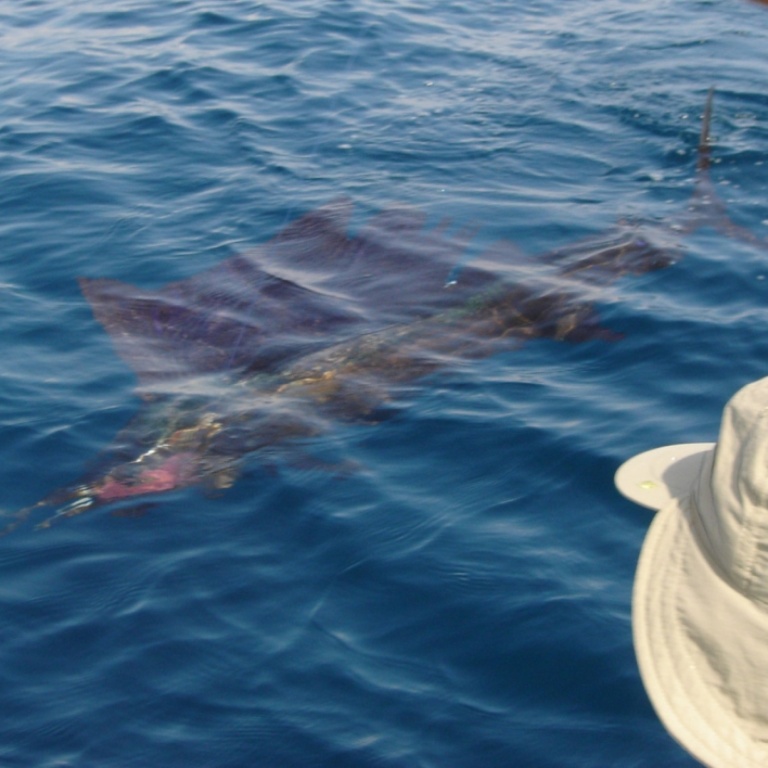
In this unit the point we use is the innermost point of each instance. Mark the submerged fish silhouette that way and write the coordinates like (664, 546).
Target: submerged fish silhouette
(319, 325)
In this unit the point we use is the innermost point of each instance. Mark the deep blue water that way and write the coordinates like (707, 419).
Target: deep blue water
(463, 598)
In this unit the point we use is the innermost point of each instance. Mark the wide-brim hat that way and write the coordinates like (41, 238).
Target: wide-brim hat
(700, 599)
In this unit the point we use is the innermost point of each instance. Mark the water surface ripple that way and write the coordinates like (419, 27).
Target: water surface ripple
(463, 597)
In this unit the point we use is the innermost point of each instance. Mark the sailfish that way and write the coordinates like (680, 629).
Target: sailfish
(319, 324)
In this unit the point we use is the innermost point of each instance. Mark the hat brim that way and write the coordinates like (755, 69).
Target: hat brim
(655, 478)
(697, 641)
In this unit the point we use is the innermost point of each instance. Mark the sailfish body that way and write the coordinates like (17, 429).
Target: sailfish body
(319, 325)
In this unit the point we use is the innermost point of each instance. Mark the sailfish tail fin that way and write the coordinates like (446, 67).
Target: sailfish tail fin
(704, 157)
(706, 209)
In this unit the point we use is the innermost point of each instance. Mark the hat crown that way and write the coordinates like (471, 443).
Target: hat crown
(732, 495)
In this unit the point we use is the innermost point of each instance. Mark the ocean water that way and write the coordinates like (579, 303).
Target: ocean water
(462, 597)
